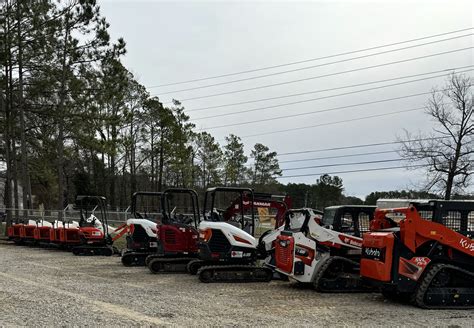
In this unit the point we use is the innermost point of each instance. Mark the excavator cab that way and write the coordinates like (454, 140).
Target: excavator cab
(177, 235)
(140, 229)
(232, 205)
(93, 227)
(147, 205)
(227, 247)
(428, 258)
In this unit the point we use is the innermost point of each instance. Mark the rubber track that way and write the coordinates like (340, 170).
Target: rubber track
(322, 271)
(135, 262)
(419, 295)
(93, 251)
(168, 260)
(231, 268)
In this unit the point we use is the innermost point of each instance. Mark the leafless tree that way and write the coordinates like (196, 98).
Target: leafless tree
(447, 152)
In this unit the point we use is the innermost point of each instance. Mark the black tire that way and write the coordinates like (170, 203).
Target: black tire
(148, 259)
(193, 266)
(127, 260)
(206, 276)
(155, 266)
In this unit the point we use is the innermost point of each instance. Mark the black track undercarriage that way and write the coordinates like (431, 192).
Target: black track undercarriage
(159, 264)
(133, 258)
(338, 274)
(445, 286)
(89, 250)
(234, 273)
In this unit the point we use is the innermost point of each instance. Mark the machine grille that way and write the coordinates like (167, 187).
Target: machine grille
(219, 242)
(170, 237)
(284, 248)
(284, 255)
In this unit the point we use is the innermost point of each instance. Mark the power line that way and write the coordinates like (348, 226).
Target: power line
(330, 89)
(311, 100)
(326, 75)
(350, 163)
(300, 114)
(352, 171)
(338, 156)
(310, 60)
(312, 66)
(326, 110)
(342, 164)
(333, 123)
(334, 157)
(357, 146)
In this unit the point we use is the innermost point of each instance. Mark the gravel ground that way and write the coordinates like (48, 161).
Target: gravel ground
(41, 287)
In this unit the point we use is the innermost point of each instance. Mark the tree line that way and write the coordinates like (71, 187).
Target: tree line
(76, 121)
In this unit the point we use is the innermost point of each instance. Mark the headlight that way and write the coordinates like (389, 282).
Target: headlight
(301, 251)
(284, 243)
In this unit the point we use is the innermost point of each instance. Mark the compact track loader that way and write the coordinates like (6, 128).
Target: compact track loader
(294, 221)
(326, 253)
(425, 255)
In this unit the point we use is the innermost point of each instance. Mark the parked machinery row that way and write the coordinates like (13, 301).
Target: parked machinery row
(421, 252)
(88, 235)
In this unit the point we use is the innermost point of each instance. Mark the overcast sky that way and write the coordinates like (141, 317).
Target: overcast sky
(183, 40)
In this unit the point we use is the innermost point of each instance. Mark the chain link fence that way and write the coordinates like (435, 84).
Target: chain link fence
(114, 218)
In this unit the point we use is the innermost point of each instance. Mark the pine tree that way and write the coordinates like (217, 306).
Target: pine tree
(234, 160)
(265, 166)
